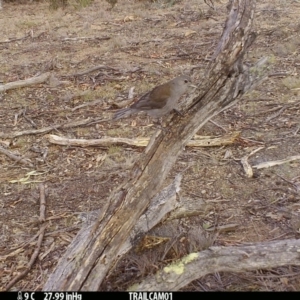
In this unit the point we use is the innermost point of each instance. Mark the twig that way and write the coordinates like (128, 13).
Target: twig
(246, 140)
(297, 130)
(16, 39)
(87, 104)
(42, 217)
(279, 74)
(273, 163)
(22, 83)
(267, 111)
(244, 161)
(210, 4)
(17, 115)
(31, 262)
(39, 242)
(50, 128)
(83, 38)
(276, 114)
(24, 161)
(68, 96)
(224, 228)
(291, 183)
(28, 119)
(216, 124)
(90, 70)
(18, 249)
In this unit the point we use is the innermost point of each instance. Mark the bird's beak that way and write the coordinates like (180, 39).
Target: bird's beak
(194, 86)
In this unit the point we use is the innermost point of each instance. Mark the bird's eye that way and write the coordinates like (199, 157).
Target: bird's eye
(186, 81)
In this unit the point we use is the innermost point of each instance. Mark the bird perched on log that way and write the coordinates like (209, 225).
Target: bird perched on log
(159, 101)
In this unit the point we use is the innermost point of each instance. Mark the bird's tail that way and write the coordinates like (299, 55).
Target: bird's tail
(123, 113)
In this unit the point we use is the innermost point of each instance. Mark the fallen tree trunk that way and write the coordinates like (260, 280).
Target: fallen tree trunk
(240, 258)
(85, 265)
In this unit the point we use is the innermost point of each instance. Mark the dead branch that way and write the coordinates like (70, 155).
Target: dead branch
(27, 82)
(15, 39)
(244, 161)
(90, 70)
(87, 104)
(222, 259)
(84, 38)
(42, 217)
(273, 163)
(50, 128)
(24, 161)
(197, 141)
(84, 267)
(70, 96)
(39, 242)
(275, 115)
(15, 251)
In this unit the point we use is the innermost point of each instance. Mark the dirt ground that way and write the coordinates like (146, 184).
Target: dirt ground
(140, 45)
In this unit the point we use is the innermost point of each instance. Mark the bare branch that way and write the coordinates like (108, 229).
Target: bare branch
(27, 82)
(222, 259)
(24, 161)
(197, 141)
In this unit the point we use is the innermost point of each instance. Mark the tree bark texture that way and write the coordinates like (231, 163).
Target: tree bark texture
(240, 258)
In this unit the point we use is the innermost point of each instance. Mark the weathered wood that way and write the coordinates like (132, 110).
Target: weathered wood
(85, 267)
(222, 259)
(197, 141)
(165, 202)
(23, 83)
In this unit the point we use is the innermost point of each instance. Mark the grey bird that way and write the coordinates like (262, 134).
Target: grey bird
(159, 101)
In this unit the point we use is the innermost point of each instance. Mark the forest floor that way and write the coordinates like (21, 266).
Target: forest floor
(140, 45)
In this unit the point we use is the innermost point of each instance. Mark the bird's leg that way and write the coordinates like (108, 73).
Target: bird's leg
(178, 112)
